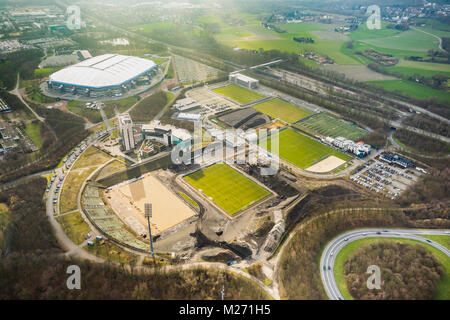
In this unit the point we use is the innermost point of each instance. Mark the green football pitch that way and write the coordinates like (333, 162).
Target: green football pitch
(300, 150)
(228, 188)
(325, 125)
(238, 93)
(278, 109)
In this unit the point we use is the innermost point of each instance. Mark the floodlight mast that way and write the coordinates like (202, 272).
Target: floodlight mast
(148, 215)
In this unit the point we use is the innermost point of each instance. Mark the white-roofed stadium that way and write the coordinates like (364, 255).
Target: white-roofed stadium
(102, 76)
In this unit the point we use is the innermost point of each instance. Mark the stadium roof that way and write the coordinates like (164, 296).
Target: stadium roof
(108, 70)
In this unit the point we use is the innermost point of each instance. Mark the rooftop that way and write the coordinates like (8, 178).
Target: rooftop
(107, 70)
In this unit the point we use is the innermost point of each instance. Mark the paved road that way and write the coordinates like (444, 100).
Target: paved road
(22, 180)
(16, 92)
(334, 246)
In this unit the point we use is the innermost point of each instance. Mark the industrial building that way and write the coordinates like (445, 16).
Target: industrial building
(4, 107)
(163, 133)
(160, 135)
(392, 158)
(189, 116)
(126, 131)
(8, 138)
(84, 54)
(108, 75)
(243, 80)
(359, 148)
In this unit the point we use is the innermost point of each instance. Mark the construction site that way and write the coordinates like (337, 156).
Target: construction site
(186, 221)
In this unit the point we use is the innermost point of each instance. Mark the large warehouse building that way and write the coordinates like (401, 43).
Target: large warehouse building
(243, 80)
(108, 75)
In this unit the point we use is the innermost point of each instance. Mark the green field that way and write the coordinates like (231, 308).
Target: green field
(301, 150)
(398, 43)
(156, 60)
(94, 116)
(278, 109)
(150, 27)
(189, 199)
(412, 89)
(238, 93)
(411, 40)
(74, 226)
(228, 188)
(325, 125)
(33, 130)
(427, 69)
(442, 240)
(255, 37)
(331, 48)
(345, 253)
(44, 72)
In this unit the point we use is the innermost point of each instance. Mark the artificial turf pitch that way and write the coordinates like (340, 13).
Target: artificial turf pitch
(277, 108)
(238, 93)
(228, 188)
(300, 150)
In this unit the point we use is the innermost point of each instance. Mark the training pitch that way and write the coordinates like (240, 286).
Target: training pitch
(300, 150)
(325, 125)
(278, 109)
(228, 188)
(238, 93)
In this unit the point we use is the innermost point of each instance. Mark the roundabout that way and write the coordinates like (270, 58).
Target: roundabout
(332, 249)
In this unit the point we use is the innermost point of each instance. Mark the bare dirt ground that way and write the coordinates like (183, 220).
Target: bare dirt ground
(192, 71)
(205, 96)
(128, 202)
(358, 73)
(326, 165)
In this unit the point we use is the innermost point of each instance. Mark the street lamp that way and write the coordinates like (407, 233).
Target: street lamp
(148, 215)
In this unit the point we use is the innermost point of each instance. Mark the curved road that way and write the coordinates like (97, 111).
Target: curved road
(16, 92)
(334, 246)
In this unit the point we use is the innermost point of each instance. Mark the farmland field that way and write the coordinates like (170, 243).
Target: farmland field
(150, 27)
(301, 150)
(228, 188)
(426, 69)
(413, 89)
(238, 93)
(410, 40)
(277, 108)
(325, 125)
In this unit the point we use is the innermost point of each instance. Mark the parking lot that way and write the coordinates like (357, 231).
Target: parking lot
(388, 180)
(68, 161)
(210, 101)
